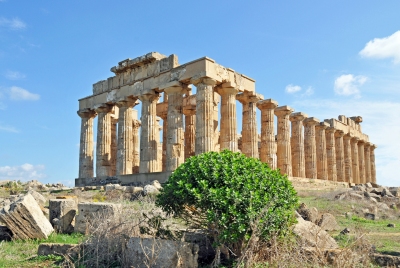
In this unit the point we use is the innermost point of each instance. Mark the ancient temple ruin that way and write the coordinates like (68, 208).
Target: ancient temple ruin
(130, 150)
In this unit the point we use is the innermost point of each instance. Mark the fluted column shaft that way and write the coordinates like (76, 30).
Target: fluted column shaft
(348, 159)
(367, 161)
(249, 124)
(355, 161)
(284, 154)
(268, 144)
(190, 132)
(339, 151)
(136, 146)
(148, 135)
(175, 134)
(114, 122)
(310, 154)
(86, 143)
(322, 163)
(103, 146)
(361, 162)
(125, 135)
(204, 115)
(372, 161)
(331, 153)
(228, 129)
(297, 145)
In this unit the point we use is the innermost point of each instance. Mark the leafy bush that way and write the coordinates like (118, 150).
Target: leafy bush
(229, 195)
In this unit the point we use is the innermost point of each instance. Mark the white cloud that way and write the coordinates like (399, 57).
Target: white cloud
(13, 24)
(348, 84)
(23, 172)
(292, 89)
(309, 91)
(14, 75)
(380, 123)
(7, 128)
(17, 93)
(381, 48)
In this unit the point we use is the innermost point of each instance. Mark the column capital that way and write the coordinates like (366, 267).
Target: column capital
(203, 80)
(322, 125)
(149, 97)
(373, 146)
(348, 137)
(283, 110)
(245, 97)
(86, 113)
(361, 142)
(355, 139)
(339, 133)
(310, 121)
(330, 130)
(299, 116)
(127, 102)
(226, 89)
(173, 87)
(367, 144)
(103, 108)
(267, 104)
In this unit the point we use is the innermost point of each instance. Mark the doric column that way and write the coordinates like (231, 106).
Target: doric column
(331, 153)
(148, 135)
(175, 135)
(103, 146)
(249, 124)
(159, 145)
(348, 159)
(136, 146)
(367, 161)
(204, 115)
(310, 154)
(284, 154)
(361, 162)
(339, 151)
(320, 139)
(268, 145)
(297, 144)
(114, 122)
(228, 129)
(125, 135)
(163, 112)
(86, 143)
(372, 161)
(355, 161)
(190, 132)
(217, 140)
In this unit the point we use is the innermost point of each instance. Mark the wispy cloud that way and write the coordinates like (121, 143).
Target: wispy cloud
(7, 128)
(381, 48)
(14, 75)
(292, 89)
(380, 123)
(23, 172)
(17, 93)
(348, 84)
(12, 24)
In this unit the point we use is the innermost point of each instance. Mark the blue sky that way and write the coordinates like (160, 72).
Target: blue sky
(323, 58)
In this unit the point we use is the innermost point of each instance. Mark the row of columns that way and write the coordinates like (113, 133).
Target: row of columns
(318, 151)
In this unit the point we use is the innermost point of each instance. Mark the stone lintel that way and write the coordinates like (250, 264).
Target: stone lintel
(299, 116)
(311, 121)
(267, 104)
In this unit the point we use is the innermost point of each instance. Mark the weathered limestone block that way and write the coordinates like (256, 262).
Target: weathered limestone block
(103, 145)
(90, 212)
(268, 144)
(322, 161)
(62, 214)
(297, 144)
(331, 153)
(328, 222)
(284, 154)
(158, 253)
(228, 129)
(25, 219)
(205, 133)
(249, 135)
(339, 151)
(86, 143)
(40, 199)
(149, 131)
(310, 153)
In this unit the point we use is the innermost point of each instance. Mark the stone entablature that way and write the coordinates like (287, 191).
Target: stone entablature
(299, 145)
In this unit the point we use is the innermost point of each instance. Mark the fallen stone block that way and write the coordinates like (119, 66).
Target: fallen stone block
(158, 253)
(149, 190)
(328, 222)
(25, 219)
(308, 214)
(62, 214)
(46, 249)
(133, 189)
(88, 212)
(40, 199)
(386, 260)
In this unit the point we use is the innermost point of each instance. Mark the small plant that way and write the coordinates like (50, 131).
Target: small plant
(224, 192)
(14, 187)
(99, 197)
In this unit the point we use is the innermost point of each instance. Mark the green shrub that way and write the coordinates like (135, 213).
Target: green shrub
(230, 195)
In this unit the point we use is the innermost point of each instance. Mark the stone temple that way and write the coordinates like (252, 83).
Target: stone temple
(131, 151)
